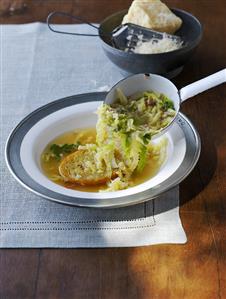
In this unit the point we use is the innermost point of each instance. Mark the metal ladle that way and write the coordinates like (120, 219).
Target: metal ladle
(145, 82)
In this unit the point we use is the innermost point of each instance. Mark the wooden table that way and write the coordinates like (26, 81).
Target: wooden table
(194, 270)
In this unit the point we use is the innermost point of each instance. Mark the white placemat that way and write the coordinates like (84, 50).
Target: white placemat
(38, 66)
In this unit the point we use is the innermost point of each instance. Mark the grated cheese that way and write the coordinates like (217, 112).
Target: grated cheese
(154, 46)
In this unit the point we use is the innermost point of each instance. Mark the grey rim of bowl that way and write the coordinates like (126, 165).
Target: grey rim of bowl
(124, 201)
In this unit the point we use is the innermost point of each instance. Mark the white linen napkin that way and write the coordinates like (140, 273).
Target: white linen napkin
(38, 67)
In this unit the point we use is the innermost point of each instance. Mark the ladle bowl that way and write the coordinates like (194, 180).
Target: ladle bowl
(138, 83)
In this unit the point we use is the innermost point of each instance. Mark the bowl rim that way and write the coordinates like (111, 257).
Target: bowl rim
(184, 48)
(122, 201)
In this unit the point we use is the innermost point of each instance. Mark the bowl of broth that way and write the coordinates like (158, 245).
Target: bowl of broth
(73, 120)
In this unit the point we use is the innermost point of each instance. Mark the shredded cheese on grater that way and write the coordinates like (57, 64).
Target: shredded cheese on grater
(155, 46)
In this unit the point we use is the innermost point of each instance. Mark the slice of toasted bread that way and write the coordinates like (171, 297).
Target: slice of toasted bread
(81, 168)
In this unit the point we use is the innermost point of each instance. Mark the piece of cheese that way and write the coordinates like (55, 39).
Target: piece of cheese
(152, 14)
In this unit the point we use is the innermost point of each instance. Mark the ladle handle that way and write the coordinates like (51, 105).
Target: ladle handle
(202, 85)
(64, 14)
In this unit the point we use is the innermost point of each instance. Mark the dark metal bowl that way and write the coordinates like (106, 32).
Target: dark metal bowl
(167, 64)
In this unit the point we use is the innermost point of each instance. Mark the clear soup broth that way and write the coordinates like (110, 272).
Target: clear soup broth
(84, 136)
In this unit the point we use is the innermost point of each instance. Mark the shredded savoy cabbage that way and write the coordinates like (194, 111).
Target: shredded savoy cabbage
(124, 132)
